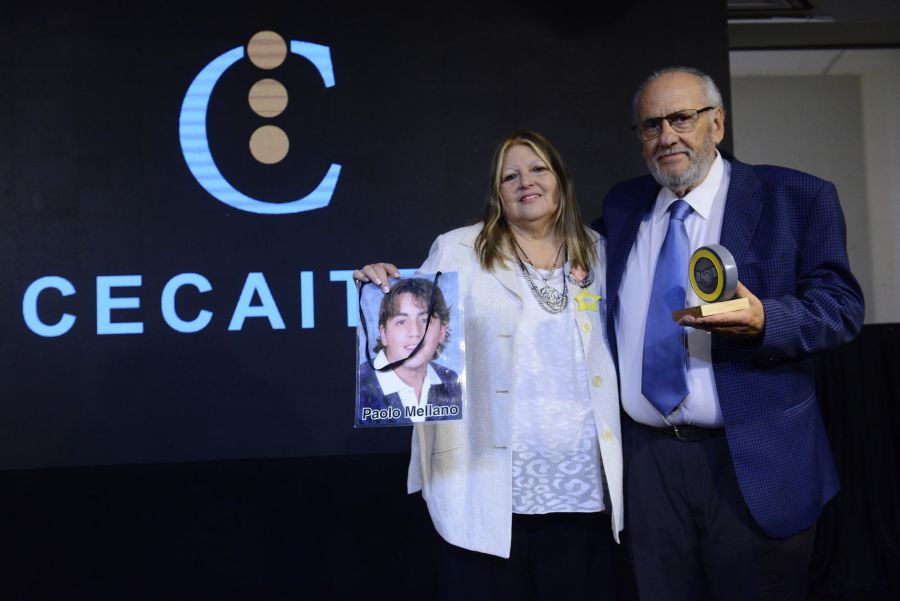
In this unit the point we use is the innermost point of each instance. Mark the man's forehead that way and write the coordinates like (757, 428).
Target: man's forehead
(422, 311)
(404, 301)
(672, 89)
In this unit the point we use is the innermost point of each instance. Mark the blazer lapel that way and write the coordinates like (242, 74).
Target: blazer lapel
(743, 208)
(508, 278)
(504, 272)
(618, 255)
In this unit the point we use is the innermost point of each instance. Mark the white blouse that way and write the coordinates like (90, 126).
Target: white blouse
(555, 450)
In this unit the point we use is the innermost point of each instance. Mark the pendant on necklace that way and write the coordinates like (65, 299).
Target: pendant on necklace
(552, 297)
(579, 277)
(549, 298)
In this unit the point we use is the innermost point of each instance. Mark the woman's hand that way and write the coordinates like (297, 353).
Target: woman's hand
(377, 273)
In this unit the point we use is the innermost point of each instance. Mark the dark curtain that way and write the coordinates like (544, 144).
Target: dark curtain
(858, 538)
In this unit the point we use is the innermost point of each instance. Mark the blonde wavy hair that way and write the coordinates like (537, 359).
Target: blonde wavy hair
(494, 243)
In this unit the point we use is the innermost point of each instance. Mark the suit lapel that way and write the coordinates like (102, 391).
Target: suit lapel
(743, 208)
(618, 255)
(504, 272)
(508, 278)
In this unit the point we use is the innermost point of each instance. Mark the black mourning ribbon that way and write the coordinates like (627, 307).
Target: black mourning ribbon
(365, 328)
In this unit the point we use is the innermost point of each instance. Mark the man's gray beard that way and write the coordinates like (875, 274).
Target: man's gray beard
(698, 166)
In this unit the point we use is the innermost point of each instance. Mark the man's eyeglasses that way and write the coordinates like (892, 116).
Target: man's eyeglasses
(683, 122)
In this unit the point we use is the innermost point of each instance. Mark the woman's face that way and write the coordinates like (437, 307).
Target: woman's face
(529, 192)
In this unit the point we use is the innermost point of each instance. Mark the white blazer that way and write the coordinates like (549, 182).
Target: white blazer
(464, 468)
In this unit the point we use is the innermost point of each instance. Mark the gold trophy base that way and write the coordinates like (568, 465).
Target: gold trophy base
(728, 306)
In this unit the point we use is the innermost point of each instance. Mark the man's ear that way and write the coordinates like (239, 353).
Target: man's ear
(718, 125)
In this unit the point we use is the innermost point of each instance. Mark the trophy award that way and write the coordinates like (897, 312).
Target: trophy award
(714, 276)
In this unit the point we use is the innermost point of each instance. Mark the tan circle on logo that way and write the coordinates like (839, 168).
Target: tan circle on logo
(266, 49)
(268, 98)
(269, 144)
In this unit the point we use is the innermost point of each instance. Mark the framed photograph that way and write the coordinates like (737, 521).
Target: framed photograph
(410, 352)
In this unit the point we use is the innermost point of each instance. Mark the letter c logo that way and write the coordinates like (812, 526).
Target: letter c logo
(195, 146)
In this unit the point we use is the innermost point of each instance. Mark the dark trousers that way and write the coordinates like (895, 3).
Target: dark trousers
(691, 535)
(553, 556)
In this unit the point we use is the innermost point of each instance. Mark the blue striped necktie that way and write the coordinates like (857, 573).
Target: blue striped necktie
(664, 376)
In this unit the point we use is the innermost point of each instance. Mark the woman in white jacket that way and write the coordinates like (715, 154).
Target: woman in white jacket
(534, 470)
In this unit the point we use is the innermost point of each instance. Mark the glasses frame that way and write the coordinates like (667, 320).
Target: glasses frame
(637, 126)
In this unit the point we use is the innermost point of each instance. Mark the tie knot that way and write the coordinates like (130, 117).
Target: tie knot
(679, 209)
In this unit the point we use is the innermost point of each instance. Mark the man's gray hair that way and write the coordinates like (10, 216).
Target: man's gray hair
(710, 90)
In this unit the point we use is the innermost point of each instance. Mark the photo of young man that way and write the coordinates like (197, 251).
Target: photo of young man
(420, 389)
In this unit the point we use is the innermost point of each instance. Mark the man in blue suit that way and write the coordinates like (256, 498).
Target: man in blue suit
(725, 482)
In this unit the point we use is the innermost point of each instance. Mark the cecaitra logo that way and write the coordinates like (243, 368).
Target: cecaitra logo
(269, 143)
(117, 297)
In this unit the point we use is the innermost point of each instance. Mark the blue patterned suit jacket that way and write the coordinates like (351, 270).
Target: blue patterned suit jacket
(786, 231)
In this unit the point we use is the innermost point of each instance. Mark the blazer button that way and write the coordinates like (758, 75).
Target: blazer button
(585, 327)
(597, 381)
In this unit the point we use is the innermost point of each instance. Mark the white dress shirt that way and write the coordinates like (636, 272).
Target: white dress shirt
(704, 226)
(390, 383)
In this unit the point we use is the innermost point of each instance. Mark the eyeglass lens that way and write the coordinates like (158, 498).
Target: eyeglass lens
(682, 121)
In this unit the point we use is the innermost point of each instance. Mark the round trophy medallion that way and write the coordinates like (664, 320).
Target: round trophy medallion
(713, 273)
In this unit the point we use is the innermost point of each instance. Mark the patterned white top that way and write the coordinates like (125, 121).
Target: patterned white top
(555, 451)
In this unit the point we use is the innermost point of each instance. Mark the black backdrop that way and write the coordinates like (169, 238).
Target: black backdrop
(95, 185)
(297, 504)
(858, 536)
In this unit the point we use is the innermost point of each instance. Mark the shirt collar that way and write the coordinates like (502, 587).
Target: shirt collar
(700, 198)
(390, 382)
